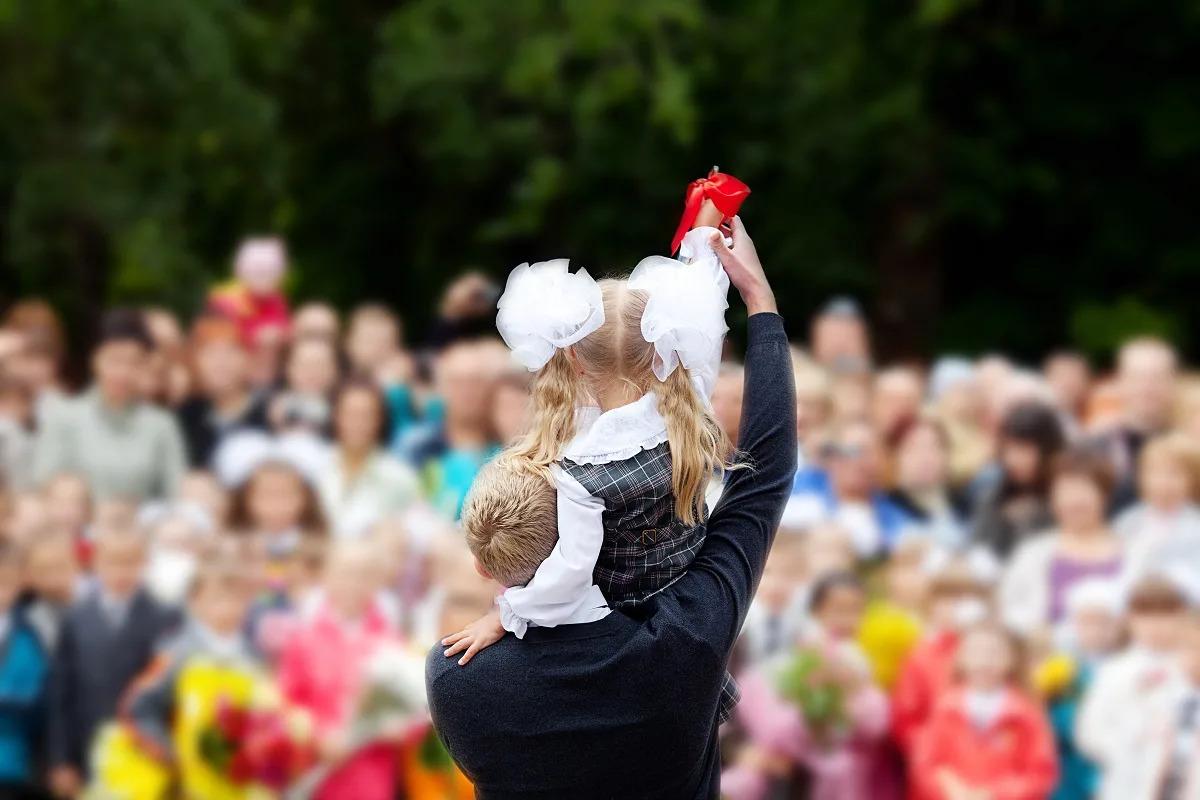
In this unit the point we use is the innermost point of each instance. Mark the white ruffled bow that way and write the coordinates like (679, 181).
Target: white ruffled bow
(545, 307)
(685, 310)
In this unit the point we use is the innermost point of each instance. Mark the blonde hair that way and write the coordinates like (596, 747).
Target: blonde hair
(1179, 450)
(510, 519)
(617, 353)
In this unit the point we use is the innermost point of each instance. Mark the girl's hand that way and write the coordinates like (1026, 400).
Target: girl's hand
(482, 633)
(745, 270)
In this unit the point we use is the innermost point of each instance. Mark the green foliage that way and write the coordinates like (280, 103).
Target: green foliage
(953, 162)
(805, 681)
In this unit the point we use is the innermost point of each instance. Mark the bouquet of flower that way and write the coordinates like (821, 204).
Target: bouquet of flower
(392, 706)
(817, 686)
(259, 743)
(1055, 676)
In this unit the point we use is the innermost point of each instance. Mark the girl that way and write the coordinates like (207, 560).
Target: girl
(840, 762)
(1034, 589)
(322, 671)
(621, 422)
(1164, 528)
(986, 738)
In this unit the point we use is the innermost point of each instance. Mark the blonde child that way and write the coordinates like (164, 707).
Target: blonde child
(1164, 528)
(621, 422)
(987, 737)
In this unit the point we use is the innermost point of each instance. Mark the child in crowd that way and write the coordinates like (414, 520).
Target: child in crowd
(777, 615)
(633, 468)
(986, 737)
(322, 670)
(52, 581)
(1113, 702)
(23, 669)
(201, 489)
(840, 762)
(206, 665)
(1091, 633)
(1163, 530)
(959, 596)
(69, 507)
(178, 538)
(891, 626)
(1156, 757)
(107, 639)
(254, 299)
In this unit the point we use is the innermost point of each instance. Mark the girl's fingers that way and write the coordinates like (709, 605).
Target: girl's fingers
(454, 637)
(458, 647)
(471, 651)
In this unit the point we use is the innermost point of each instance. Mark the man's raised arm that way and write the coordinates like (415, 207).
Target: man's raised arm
(741, 528)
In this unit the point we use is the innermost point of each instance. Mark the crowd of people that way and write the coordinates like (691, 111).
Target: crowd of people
(984, 584)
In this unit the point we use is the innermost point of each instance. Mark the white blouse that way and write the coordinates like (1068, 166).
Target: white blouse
(562, 591)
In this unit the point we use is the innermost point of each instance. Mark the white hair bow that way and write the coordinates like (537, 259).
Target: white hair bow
(685, 311)
(545, 307)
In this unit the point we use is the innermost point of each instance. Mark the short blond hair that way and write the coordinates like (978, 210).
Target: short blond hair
(510, 518)
(1179, 450)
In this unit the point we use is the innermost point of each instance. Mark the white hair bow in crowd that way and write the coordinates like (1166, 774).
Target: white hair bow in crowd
(545, 307)
(685, 311)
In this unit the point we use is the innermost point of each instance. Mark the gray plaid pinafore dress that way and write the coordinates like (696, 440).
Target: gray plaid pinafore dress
(646, 547)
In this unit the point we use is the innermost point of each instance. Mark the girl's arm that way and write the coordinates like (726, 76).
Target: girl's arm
(561, 590)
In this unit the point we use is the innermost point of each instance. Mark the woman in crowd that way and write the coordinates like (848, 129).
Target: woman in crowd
(921, 473)
(364, 483)
(1080, 546)
(1013, 502)
(123, 446)
(223, 401)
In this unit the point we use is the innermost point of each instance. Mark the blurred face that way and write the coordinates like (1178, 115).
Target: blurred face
(221, 606)
(1021, 461)
(371, 342)
(118, 368)
(358, 420)
(841, 611)
(69, 504)
(118, 562)
(854, 463)
(351, 581)
(727, 402)
(921, 460)
(276, 500)
(897, 397)
(1078, 504)
(986, 660)
(467, 597)
(51, 571)
(1156, 631)
(907, 583)
(1146, 379)
(316, 320)
(1098, 632)
(827, 550)
(840, 339)
(464, 384)
(812, 412)
(35, 370)
(312, 368)
(222, 368)
(1165, 484)
(510, 412)
(1068, 377)
(260, 266)
(202, 489)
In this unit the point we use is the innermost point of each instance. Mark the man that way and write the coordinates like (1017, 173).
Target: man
(626, 705)
(1147, 372)
(839, 337)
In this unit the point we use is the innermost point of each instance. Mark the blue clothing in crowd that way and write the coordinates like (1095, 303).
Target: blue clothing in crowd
(23, 671)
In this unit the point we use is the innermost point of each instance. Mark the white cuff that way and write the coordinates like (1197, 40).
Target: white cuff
(509, 619)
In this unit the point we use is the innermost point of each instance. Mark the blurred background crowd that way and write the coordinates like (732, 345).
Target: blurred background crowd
(984, 575)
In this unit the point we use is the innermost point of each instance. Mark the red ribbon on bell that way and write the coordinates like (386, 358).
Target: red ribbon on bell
(726, 193)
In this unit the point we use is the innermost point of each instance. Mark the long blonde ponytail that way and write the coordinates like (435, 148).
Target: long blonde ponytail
(697, 444)
(555, 394)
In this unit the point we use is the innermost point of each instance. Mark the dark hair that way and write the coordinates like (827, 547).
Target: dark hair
(1038, 424)
(312, 520)
(828, 584)
(1084, 462)
(1156, 595)
(384, 434)
(124, 325)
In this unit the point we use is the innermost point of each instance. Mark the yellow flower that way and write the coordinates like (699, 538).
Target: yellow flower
(887, 635)
(1054, 675)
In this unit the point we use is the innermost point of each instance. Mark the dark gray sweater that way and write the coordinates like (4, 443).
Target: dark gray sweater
(626, 707)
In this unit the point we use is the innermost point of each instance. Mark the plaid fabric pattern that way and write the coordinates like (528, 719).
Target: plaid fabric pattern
(646, 547)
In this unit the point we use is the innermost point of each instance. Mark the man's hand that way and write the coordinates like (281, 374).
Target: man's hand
(745, 270)
(483, 632)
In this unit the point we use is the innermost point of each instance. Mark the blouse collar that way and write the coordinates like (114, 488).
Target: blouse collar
(616, 434)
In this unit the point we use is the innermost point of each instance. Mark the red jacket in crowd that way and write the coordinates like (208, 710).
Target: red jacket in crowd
(928, 673)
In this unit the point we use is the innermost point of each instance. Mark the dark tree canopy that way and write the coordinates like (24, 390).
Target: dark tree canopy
(995, 175)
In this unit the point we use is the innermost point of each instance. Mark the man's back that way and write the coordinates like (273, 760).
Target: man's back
(540, 707)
